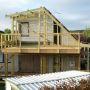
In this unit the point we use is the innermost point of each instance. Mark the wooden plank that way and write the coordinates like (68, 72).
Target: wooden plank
(12, 25)
(42, 50)
(39, 16)
(11, 50)
(13, 65)
(41, 65)
(6, 65)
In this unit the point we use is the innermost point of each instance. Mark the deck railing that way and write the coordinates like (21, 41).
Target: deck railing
(10, 40)
(46, 40)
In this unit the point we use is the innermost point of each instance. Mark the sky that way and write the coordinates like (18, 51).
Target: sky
(74, 14)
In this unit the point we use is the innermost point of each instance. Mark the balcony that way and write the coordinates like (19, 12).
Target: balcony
(41, 43)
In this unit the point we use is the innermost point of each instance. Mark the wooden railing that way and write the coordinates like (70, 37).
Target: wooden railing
(10, 40)
(65, 40)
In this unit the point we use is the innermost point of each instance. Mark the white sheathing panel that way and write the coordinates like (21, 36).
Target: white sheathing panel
(10, 64)
(33, 28)
(67, 38)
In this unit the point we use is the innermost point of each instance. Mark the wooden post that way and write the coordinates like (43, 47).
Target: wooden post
(59, 58)
(13, 25)
(79, 40)
(88, 60)
(16, 27)
(19, 40)
(41, 64)
(13, 63)
(45, 30)
(6, 64)
(58, 37)
(62, 63)
(8, 39)
(44, 64)
(78, 63)
(1, 42)
(39, 32)
(5, 38)
(11, 40)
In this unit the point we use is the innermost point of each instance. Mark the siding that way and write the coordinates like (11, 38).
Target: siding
(69, 62)
(29, 63)
(10, 64)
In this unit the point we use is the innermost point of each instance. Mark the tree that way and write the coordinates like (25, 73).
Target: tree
(87, 32)
(7, 31)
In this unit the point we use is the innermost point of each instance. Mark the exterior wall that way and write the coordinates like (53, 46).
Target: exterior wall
(50, 63)
(33, 28)
(10, 64)
(68, 39)
(69, 62)
(29, 63)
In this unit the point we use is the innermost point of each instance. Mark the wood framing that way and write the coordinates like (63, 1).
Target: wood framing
(45, 43)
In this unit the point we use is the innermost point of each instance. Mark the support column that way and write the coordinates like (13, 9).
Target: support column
(16, 27)
(78, 62)
(13, 25)
(39, 31)
(44, 64)
(45, 29)
(88, 60)
(41, 65)
(13, 65)
(62, 63)
(6, 64)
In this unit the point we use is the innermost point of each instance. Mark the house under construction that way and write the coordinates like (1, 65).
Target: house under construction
(39, 43)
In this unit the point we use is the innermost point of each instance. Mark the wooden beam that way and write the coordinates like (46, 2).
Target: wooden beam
(12, 25)
(79, 40)
(41, 65)
(88, 60)
(1, 41)
(39, 16)
(6, 64)
(44, 64)
(13, 65)
(62, 68)
(78, 62)
(16, 27)
(45, 29)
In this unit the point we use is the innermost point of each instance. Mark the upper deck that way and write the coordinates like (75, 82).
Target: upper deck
(12, 43)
